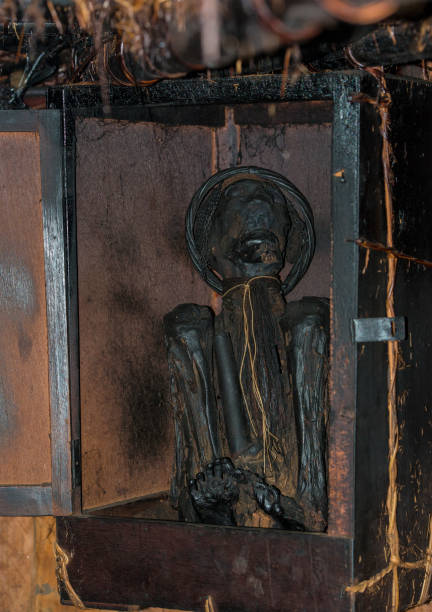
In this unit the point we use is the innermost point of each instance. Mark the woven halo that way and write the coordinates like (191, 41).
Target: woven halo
(205, 202)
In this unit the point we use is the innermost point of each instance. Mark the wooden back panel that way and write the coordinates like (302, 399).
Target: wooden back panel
(133, 184)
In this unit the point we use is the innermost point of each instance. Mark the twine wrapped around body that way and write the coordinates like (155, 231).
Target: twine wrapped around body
(249, 355)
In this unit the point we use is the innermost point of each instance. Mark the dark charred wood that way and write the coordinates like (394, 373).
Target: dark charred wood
(390, 44)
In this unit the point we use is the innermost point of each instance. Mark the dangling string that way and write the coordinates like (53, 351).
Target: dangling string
(250, 353)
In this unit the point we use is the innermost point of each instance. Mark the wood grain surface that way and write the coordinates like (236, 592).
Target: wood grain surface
(410, 129)
(133, 185)
(131, 562)
(343, 308)
(24, 395)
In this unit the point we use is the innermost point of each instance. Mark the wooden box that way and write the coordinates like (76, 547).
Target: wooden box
(129, 170)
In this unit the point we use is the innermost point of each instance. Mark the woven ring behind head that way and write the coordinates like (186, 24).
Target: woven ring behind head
(298, 201)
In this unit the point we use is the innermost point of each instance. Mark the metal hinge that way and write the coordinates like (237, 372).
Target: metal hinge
(76, 463)
(379, 329)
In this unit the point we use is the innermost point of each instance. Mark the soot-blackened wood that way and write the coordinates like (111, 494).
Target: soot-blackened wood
(390, 44)
(184, 92)
(71, 265)
(371, 463)
(345, 179)
(133, 268)
(141, 563)
(298, 113)
(410, 129)
(411, 136)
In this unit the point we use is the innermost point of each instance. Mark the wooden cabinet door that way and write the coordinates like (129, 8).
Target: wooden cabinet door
(35, 418)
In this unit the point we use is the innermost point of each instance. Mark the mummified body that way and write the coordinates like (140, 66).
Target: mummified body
(249, 385)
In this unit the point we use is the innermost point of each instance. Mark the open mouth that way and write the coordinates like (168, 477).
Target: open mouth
(257, 246)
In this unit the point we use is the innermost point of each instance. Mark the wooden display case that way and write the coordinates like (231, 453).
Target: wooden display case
(131, 162)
